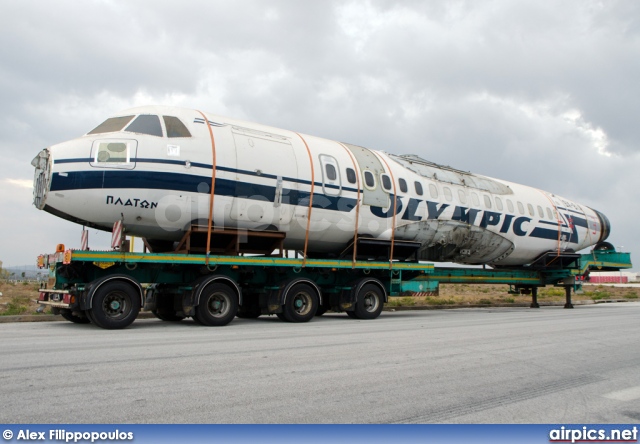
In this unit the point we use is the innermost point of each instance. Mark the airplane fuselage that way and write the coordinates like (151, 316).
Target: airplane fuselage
(155, 167)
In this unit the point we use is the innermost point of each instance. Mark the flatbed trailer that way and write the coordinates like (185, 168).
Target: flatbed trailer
(109, 288)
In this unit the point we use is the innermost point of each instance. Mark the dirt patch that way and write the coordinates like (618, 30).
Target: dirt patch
(18, 298)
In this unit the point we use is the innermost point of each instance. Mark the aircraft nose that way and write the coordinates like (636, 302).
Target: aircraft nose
(42, 178)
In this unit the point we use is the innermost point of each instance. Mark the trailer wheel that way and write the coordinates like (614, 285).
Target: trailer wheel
(69, 316)
(115, 305)
(301, 303)
(218, 305)
(321, 310)
(369, 303)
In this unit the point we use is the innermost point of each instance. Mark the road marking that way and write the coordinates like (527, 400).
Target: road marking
(625, 395)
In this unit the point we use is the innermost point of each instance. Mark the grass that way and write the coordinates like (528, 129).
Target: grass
(18, 298)
(489, 294)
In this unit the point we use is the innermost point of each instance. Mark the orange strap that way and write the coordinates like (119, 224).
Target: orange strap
(213, 185)
(355, 236)
(313, 183)
(395, 208)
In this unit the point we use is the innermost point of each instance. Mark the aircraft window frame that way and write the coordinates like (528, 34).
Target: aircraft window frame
(540, 212)
(126, 160)
(520, 208)
(448, 195)
(403, 185)
(433, 191)
(462, 196)
(499, 205)
(532, 212)
(148, 124)
(112, 125)
(366, 173)
(175, 127)
(475, 199)
(418, 187)
(386, 183)
(351, 176)
(510, 206)
(549, 214)
(487, 201)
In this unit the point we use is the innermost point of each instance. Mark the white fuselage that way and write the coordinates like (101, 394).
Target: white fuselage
(157, 177)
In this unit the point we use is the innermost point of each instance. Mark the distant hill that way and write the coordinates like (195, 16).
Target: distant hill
(30, 272)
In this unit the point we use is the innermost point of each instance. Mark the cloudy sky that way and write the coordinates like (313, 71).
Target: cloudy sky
(543, 93)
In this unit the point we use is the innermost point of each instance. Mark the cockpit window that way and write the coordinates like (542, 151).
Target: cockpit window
(175, 128)
(146, 124)
(111, 125)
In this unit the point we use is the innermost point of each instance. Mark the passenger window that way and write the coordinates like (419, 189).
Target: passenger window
(175, 127)
(475, 199)
(510, 206)
(331, 172)
(530, 208)
(462, 196)
(418, 186)
(386, 182)
(549, 215)
(369, 179)
(520, 208)
(447, 194)
(111, 125)
(351, 175)
(403, 185)
(487, 201)
(499, 204)
(433, 191)
(146, 124)
(540, 212)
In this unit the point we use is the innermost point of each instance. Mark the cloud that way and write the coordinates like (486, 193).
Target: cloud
(538, 93)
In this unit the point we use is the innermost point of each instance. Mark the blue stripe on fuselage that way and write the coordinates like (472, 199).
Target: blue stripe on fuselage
(128, 179)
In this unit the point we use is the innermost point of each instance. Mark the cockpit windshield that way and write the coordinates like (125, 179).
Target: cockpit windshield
(144, 124)
(111, 125)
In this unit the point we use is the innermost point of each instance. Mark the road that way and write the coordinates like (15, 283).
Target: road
(501, 365)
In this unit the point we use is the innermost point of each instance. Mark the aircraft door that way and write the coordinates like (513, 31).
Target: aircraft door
(373, 193)
(263, 189)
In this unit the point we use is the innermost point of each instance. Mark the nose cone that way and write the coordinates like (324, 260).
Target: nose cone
(42, 178)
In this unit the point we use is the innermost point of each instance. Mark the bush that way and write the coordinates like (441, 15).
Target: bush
(598, 295)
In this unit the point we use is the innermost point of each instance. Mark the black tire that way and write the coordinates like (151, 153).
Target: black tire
(281, 317)
(352, 315)
(321, 310)
(301, 303)
(89, 316)
(370, 302)
(115, 305)
(69, 316)
(218, 305)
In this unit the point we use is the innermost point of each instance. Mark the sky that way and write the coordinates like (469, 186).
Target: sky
(539, 92)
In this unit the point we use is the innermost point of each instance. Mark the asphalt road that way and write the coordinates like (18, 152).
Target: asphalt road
(503, 365)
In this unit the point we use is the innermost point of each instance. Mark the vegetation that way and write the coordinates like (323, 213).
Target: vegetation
(487, 294)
